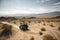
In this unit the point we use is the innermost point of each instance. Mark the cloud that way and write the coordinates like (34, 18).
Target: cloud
(56, 4)
(27, 11)
(42, 1)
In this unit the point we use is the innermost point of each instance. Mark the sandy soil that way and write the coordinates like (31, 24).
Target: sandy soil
(51, 28)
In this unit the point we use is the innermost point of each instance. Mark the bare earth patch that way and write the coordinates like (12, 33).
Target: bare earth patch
(41, 30)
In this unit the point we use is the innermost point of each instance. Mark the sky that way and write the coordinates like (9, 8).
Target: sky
(28, 6)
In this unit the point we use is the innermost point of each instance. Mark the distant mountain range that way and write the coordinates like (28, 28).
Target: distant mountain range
(50, 14)
(43, 15)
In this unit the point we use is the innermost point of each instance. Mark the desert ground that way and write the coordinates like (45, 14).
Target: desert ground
(39, 29)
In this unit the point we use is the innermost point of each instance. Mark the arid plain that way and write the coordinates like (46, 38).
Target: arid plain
(38, 29)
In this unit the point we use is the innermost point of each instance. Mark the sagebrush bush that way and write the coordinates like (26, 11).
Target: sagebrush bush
(7, 26)
(58, 28)
(29, 21)
(43, 29)
(32, 38)
(52, 25)
(44, 24)
(40, 33)
(7, 30)
(48, 37)
(39, 21)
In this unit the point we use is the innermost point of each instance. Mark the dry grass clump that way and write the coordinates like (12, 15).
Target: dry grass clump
(40, 33)
(32, 38)
(6, 31)
(29, 21)
(14, 22)
(48, 21)
(23, 21)
(43, 29)
(5, 26)
(39, 21)
(48, 37)
(44, 24)
(58, 28)
(0, 26)
(52, 25)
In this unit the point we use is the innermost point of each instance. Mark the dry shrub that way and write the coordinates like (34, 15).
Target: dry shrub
(58, 28)
(24, 27)
(39, 21)
(5, 26)
(48, 21)
(32, 38)
(6, 31)
(40, 33)
(43, 29)
(29, 21)
(14, 22)
(52, 25)
(48, 37)
(44, 24)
